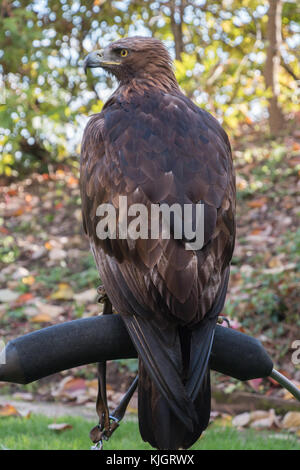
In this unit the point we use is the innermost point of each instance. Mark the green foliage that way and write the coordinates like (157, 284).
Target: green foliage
(45, 97)
(8, 250)
(88, 276)
(130, 364)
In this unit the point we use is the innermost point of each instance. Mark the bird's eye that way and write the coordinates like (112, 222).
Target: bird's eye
(123, 52)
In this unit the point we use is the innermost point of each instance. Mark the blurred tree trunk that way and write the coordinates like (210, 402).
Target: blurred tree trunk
(177, 11)
(272, 64)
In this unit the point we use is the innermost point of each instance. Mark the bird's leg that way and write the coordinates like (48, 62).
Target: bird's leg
(98, 431)
(103, 299)
(108, 423)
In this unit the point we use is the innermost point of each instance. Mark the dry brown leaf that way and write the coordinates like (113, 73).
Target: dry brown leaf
(275, 262)
(59, 427)
(28, 280)
(291, 420)
(41, 318)
(92, 384)
(23, 298)
(241, 420)
(296, 146)
(71, 387)
(47, 309)
(73, 384)
(255, 383)
(263, 419)
(8, 410)
(256, 231)
(57, 254)
(64, 292)
(257, 203)
(86, 296)
(258, 414)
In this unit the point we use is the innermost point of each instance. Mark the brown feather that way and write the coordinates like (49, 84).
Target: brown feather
(153, 145)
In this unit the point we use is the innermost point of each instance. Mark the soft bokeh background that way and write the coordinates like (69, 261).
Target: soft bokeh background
(237, 59)
(220, 47)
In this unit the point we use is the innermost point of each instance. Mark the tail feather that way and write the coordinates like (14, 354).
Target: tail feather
(158, 424)
(202, 405)
(160, 353)
(202, 341)
(201, 344)
(174, 377)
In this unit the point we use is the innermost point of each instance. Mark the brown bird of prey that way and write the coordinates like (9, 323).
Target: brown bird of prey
(153, 145)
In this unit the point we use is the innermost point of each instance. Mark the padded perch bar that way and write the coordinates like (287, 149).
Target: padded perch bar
(79, 342)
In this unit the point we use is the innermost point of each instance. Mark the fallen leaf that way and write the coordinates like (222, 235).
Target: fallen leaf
(29, 280)
(291, 420)
(92, 384)
(258, 414)
(241, 420)
(92, 388)
(255, 384)
(41, 318)
(23, 298)
(7, 295)
(70, 387)
(20, 273)
(275, 262)
(57, 254)
(19, 211)
(12, 192)
(256, 231)
(48, 246)
(8, 410)
(59, 427)
(86, 296)
(38, 252)
(257, 203)
(64, 292)
(296, 146)
(52, 311)
(263, 420)
(73, 384)
(72, 181)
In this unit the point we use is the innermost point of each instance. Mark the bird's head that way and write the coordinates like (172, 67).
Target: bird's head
(135, 57)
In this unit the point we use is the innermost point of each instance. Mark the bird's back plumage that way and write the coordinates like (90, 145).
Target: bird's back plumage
(155, 146)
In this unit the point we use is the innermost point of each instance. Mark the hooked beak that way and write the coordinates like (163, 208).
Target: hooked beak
(96, 59)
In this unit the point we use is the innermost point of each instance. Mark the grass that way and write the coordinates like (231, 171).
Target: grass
(33, 434)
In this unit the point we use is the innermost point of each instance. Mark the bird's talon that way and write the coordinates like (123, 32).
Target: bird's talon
(222, 319)
(102, 296)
